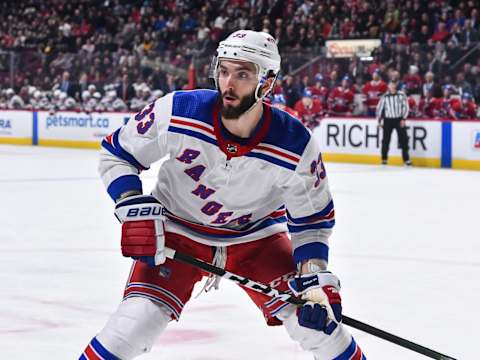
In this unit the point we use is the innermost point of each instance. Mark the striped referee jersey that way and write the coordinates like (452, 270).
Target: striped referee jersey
(393, 106)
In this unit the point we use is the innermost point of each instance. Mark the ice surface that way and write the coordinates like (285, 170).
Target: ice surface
(406, 247)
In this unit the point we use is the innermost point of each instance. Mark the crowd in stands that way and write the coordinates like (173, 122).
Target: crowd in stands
(118, 55)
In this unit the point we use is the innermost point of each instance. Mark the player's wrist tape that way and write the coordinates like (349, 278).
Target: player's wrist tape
(139, 207)
(311, 266)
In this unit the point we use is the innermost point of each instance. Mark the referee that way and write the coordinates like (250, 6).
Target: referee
(392, 110)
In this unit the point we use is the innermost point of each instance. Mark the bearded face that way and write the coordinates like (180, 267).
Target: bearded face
(237, 81)
(232, 105)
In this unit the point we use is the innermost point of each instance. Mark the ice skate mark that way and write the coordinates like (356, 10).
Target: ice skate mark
(64, 305)
(210, 308)
(182, 336)
(14, 324)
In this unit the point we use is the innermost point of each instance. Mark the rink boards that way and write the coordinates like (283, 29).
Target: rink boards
(433, 143)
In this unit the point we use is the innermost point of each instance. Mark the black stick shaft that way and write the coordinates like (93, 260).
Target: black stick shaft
(394, 339)
(173, 254)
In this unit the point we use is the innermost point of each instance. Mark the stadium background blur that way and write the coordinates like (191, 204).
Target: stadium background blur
(119, 55)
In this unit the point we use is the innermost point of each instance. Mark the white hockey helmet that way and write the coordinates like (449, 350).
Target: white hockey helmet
(259, 48)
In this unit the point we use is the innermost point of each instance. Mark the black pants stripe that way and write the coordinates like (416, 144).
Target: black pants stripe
(388, 126)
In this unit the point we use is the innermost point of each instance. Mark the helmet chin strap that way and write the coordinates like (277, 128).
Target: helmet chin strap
(257, 91)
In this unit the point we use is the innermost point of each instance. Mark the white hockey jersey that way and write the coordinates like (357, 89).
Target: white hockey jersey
(219, 190)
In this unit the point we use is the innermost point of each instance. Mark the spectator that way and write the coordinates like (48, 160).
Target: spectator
(125, 90)
(340, 99)
(441, 35)
(461, 84)
(319, 91)
(428, 86)
(372, 91)
(466, 109)
(122, 37)
(279, 102)
(309, 110)
(67, 86)
(429, 105)
(413, 81)
(291, 91)
(447, 103)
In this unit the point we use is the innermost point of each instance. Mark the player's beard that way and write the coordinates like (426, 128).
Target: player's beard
(234, 112)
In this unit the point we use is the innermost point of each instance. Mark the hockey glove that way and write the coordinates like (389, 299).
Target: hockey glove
(323, 310)
(143, 234)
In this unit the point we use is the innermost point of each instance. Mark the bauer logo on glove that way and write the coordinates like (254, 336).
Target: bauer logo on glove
(143, 234)
(146, 211)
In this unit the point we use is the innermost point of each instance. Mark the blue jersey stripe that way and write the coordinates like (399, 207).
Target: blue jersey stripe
(272, 159)
(123, 184)
(315, 250)
(300, 228)
(349, 351)
(287, 132)
(263, 224)
(310, 218)
(192, 133)
(107, 355)
(117, 150)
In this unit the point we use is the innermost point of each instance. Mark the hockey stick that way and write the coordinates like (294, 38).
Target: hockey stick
(289, 298)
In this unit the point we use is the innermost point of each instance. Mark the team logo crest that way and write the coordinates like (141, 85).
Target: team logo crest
(232, 149)
(165, 272)
(476, 143)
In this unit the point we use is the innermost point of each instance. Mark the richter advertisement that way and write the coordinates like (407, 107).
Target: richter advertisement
(363, 136)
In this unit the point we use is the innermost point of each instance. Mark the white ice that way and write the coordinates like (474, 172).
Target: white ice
(406, 247)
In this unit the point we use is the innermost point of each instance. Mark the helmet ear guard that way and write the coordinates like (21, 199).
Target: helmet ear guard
(258, 48)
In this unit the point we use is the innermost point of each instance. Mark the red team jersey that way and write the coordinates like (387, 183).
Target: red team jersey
(412, 81)
(465, 110)
(320, 93)
(429, 106)
(340, 101)
(413, 107)
(288, 109)
(372, 91)
(445, 107)
(310, 116)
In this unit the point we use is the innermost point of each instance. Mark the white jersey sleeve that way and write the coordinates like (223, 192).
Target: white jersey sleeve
(309, 204)
(134, 147)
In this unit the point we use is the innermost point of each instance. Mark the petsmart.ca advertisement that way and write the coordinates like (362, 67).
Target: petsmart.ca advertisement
(16, 127)
(77, 129)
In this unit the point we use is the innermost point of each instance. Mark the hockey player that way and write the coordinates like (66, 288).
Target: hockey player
(466, 109)
(429, 105)
(309, 110)
(413, 107)
(239, 175)
(372, 91)
(279, 102)
(446, 104)
(319, 91)
(340, 100)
